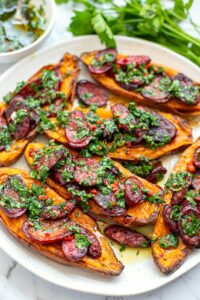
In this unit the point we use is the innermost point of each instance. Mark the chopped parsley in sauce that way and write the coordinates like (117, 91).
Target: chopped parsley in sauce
(15, 36)
(176, 182)
(168, 241)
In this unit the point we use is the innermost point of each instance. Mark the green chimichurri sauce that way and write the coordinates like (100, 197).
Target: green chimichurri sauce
(14, 36)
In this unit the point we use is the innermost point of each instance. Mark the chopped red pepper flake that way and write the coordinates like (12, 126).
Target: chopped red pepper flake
(93, 191)
(191, 168)
(69, 237)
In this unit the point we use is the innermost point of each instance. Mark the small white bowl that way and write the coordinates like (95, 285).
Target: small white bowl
(50, 14)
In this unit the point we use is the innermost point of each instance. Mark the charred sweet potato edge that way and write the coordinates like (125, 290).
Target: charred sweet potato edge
(182, 139)
(107, 263)
(168, 260)
(68, 65)
(142, 214)
(109, 83)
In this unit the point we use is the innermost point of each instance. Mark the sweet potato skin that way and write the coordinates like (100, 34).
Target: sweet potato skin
(182, 139)
(107, 263)
(168, 260)
(142, 214)
(109, 83)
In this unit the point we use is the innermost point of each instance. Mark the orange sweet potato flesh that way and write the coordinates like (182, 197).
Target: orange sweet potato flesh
(168, 260)
(141, 214)
(107, 263)
(109, 83)
(182, 139)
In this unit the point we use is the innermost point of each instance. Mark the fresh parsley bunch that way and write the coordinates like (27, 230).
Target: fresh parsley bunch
(147, 19)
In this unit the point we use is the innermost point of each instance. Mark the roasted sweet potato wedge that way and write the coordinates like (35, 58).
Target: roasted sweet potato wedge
(9, 156)
(141, 214)
(168, 260)
(109, 83)
(183, 137)
(69, 69)
(107, 263)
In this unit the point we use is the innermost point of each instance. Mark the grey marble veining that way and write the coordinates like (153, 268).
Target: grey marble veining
(16, 283)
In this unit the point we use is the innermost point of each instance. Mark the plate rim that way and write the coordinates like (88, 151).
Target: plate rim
(65, 42)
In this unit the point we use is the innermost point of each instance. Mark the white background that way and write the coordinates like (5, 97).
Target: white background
(18, 283)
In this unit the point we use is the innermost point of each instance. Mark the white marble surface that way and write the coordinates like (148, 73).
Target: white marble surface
(18, 283)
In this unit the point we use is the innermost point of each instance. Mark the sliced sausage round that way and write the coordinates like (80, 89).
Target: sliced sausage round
(108, 204)
(90, 93)
(57, 176)
(126, 236)
(14, 211)
(15, 104)
(167, 212)
(157, 90)
(137, 60)
(94, 250)
(103, 60)
(186, 90)
(86, 171)
(191, 241)
(71, 251)
(133, 85)
(196, 181)
(165, 129)
(48, 231)
(197, 157)
(57, 211)
(133, 191)
(158, 170)
(51, 159)
(178, 197)
(121, 112)
(77, 124)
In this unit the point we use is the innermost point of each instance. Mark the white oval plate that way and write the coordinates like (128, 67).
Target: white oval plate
(139, 275)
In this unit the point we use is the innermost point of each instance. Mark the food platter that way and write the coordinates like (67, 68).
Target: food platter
(139, 268)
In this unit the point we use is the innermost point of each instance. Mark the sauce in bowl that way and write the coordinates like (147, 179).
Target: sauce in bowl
(14, 36)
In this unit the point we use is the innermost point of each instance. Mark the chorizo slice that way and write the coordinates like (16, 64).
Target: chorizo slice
(57, 175)
(157, 172)
(108, 204)
(94, 250)
(86, 171)
(121, 112)
(196, 181)
(185, 90)
(103, 60)
(14, 208)
(90, 93)
(133, 191)
(167, 215)
(77, 131)
(47, 232)
(165, 129)
(127, 237)
(178, 197)
(196, 157)
(136, 60)
(71, 251)
(157, 90)
(54, 212)
(49, 160)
